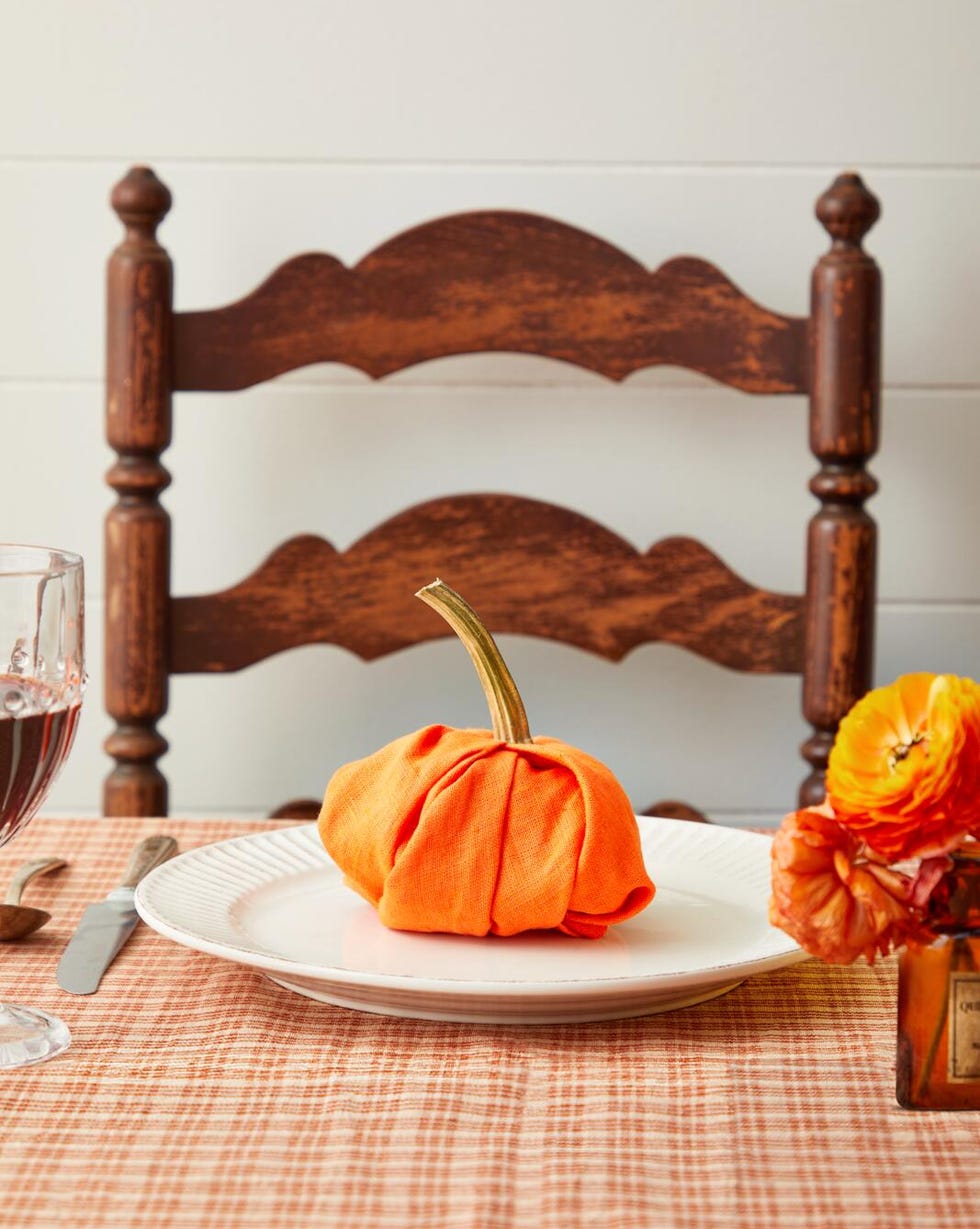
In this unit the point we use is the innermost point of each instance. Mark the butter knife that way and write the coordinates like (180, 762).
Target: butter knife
(106, 926)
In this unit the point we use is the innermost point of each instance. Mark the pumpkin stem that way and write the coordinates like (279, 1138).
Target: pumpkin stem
(504, 700)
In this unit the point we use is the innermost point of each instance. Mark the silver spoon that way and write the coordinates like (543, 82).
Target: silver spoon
(17, 920)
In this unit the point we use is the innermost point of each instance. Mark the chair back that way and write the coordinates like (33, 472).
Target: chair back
(471, 283)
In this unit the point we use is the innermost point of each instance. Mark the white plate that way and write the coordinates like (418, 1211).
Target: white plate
(275, 901)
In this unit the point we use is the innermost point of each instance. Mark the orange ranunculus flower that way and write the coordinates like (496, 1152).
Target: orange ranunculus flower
(834, 903)
(904, 771)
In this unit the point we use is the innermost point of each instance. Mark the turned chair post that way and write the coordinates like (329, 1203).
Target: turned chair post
(845, 344)
(137, 530)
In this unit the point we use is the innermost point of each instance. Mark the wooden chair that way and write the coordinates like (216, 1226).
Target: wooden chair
(531, 285)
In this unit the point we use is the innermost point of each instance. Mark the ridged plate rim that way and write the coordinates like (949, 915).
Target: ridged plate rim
(191, 898)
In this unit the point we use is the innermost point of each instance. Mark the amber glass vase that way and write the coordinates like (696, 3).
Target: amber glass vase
(939, 999)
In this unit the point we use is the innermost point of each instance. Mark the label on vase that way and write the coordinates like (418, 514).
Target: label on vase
(964, 1027)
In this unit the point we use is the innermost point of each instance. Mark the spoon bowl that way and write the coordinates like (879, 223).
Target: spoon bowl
(17, 920)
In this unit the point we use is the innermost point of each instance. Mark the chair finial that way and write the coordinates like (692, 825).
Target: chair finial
(847, 210)
(141, 200)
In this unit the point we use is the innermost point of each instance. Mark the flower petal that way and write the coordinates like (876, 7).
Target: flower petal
(835, 902)
(904, 771)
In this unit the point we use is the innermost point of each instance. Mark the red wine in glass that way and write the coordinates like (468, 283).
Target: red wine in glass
(36, 734)
(41, 680)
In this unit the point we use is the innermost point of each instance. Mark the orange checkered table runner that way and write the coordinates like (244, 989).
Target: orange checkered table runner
(197, 1093)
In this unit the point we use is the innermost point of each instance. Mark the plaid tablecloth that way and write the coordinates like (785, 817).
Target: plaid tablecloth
(197, 1093)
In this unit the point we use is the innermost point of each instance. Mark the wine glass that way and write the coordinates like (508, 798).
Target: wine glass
(42, 675)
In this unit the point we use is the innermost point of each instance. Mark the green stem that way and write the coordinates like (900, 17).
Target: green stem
(503, 699)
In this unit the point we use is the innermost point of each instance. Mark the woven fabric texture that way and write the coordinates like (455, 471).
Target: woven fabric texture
(199, 1094)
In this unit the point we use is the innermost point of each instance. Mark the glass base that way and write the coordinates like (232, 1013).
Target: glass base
(29, 1036)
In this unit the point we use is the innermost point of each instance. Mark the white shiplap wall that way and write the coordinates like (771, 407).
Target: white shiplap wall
(666, 126)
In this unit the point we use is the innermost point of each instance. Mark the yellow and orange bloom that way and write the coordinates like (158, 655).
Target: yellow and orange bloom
(837, 903)
(904, 771)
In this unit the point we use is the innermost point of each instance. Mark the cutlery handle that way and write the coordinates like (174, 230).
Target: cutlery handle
(26, 873)
(150, 852)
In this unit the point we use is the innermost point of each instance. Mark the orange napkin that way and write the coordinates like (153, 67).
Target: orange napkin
(453, 830)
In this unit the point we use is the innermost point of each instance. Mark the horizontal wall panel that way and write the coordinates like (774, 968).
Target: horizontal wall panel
(254, 468)
(56, 494)
(667, 723)
(231, 225)
(631, 81)
(929, 501)
(298, 458)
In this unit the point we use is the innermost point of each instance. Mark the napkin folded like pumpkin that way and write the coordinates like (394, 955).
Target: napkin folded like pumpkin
(482, 832)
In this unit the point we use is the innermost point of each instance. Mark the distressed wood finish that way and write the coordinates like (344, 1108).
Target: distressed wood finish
(844, 428)
(493, 282)
(530, 568)
(478, 282)
(137, 530)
